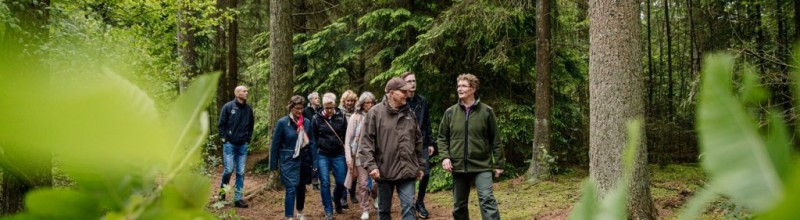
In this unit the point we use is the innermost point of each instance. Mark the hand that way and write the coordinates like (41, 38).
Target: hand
(446, 165)
(497, 172)
(421, 174)
(350, 165)
(375, 174)
(430, 150)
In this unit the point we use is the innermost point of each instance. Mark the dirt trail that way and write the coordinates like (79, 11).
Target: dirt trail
(269, 204)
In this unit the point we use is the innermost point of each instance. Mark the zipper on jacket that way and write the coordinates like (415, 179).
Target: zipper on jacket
(466, 137)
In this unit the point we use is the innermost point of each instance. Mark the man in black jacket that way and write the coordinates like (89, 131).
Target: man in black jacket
(236, 129)
(421, 110)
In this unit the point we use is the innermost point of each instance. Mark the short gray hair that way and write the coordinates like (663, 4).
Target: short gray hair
(329, 98)
(365, 96)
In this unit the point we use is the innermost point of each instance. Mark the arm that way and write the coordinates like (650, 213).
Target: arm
(277, 141)
(313, 136)
(312, 143)
(368, 136)
(497, 145)
(250, 124)
(420, 150)
(427, 134)
(443, 139)
(222, 126)
(348, 138)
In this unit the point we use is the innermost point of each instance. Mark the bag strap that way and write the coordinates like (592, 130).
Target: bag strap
(334, 131)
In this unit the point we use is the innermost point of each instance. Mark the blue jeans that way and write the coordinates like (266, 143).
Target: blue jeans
(405, 190)
(325, 165)
(233, 155)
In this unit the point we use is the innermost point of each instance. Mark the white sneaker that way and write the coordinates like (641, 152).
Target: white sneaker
(301, 217)
(365, 216)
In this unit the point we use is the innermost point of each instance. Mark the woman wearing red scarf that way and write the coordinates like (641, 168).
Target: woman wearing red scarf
(293, 147)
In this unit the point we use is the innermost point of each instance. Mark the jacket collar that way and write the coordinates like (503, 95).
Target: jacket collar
(474, 104)
(389, 108)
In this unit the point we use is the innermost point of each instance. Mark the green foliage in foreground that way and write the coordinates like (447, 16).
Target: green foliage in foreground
(752, 166)
(126, 159)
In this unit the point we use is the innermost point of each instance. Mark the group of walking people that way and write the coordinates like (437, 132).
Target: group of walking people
(373, 148)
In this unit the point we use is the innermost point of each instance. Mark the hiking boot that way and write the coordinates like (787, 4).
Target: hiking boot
(365, 216)
(240, 204)
(423, 213)
(354, 200)
(328, 216)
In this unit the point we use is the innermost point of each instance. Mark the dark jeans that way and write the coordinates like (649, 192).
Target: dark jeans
(405, 190)
(423, 183)
(294, 174)
(483, 183)
(234, 156)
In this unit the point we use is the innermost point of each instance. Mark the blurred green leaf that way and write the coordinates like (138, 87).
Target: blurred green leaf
(787, 208)
(187, 191)
(779, 146)
(733, 153)
(185, 119)
(587, 205)
(614, 204)
(61, 204)
(751, 90)
(695, 206)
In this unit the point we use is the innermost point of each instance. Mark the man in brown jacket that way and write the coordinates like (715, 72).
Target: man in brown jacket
(392, 149)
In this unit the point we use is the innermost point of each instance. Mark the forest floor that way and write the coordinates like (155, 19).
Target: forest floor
(671, 186)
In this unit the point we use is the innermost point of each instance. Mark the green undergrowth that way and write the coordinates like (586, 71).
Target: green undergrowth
(671, 186)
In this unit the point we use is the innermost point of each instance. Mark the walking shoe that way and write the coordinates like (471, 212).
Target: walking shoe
(344, 203)
(301, 217)
(328, 216)
(240, 204)
(423, 213)
(354, 200)
(365, 216)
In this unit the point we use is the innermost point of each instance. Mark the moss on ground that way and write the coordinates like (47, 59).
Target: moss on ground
(671, 187)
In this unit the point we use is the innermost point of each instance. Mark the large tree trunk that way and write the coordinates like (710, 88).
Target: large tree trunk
(225, 86)
(615, 89)
(540, 167)
(670, 96)
(650, 84)
(29, 168)
(186, 46)
(796, 20)
(232, 37)
(280, 63)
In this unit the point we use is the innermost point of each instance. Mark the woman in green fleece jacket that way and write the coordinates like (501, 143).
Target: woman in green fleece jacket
(469, 143)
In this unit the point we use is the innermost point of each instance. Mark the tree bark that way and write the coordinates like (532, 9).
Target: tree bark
(25, 169)
(540, 166)
(224, 85)
(280, 62)
(186, 45)
(615, 87)
(796, 20)
(670, 95)
(650, 84)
